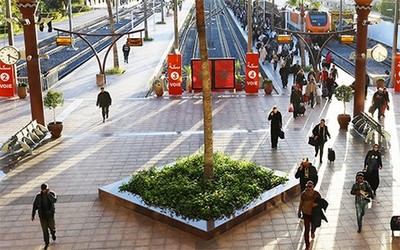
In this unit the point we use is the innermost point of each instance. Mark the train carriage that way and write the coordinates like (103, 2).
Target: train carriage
(314, 21)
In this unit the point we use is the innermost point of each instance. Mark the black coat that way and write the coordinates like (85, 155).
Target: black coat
(103, 99)
(312, 176)
(44, 203)
(276, 122)
(317, 214)
(322, 133)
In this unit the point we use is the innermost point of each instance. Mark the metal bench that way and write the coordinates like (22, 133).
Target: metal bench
(26, 139)
(365, 125)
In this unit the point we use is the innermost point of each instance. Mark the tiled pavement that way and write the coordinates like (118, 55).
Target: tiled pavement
(155, 131)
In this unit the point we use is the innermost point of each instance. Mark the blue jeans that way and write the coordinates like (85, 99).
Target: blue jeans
(360, 212)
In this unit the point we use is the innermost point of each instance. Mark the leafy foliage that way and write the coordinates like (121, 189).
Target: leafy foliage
(52, 100)
(115, 71)
(344, 93)
(182, 189)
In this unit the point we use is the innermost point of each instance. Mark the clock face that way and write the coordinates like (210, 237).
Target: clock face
(9, 55)
(379, 53)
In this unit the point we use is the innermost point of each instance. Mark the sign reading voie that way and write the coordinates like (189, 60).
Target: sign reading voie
(7, 81)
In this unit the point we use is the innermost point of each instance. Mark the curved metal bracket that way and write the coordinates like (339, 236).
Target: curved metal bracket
(299, 35)
(81, 35)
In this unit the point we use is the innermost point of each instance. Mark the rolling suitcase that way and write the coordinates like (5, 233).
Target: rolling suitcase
(395, 223)
(331, 154)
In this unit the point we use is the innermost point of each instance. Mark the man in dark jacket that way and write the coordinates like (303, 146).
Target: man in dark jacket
(44, 203)
(362, 191)
(104, 102)
(306, 172)
(321, 134)
(276, 125)
(126, 49)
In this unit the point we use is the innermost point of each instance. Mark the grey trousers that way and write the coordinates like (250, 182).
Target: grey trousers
(48, 223)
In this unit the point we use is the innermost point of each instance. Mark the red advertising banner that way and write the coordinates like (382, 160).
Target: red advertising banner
(197, 74)
(224, 73)
(175, 74)
(7, 81)
(252, 73)
(396, 84)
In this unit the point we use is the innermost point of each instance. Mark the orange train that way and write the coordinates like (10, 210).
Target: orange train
(314, 21)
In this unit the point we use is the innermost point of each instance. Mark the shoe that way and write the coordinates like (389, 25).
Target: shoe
(46, 246)
(312, 235)
(54, 237)
(106, 116)
(320, 161)
(359, 230)
(315, 154)
(104, 120)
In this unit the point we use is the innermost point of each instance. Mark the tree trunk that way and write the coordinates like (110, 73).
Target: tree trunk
(207, 99)
(146, 32)
(112, 30)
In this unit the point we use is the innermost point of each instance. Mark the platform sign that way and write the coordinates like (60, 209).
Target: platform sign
(397, 76)
(7, 80)
(175, 74)
(134, 42)
(252, 73)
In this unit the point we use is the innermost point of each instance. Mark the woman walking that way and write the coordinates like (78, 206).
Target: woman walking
(307, 203)
(373, 163)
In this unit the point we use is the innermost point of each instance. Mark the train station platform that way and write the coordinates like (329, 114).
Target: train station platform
(142, 132)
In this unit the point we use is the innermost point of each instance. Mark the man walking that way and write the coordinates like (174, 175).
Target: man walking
(362, 191)
(321, 134)
(306, 172)
(104, 102)
(44, 203)
(276, 125)
(126, 49)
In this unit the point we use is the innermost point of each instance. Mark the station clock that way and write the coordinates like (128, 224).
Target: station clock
(9, 55)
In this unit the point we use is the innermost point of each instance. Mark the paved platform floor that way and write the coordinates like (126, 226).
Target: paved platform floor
(142, 132)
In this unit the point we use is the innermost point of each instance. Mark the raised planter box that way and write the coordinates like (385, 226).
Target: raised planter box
(201, 228)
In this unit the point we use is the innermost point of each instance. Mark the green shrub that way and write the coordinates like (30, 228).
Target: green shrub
(181, 188)
(114, 71)
(80, 8)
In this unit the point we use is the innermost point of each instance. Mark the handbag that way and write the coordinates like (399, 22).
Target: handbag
(312, 141)
(290, 108)
(371, 109)
(281, 134)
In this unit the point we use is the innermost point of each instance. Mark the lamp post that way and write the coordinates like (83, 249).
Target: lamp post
(249, 27)
(302, 51)
(28, 8)
(363, 7)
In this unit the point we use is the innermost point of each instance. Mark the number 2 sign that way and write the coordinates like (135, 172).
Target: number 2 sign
(7, 81)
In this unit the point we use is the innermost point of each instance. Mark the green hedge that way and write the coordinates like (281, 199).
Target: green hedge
(182, 189)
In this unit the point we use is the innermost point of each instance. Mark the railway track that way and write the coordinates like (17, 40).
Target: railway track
(342, 53)
(222, 35)
(63, 60)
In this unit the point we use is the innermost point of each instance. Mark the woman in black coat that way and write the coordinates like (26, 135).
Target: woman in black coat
(296, 98)
(276, 125)
(373, 163)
